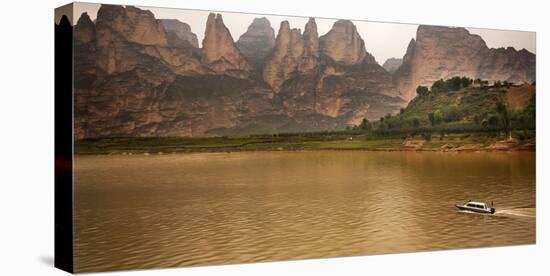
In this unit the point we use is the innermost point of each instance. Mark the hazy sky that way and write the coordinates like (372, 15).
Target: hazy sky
(383, 40)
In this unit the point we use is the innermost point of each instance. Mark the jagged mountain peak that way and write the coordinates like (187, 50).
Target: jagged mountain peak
(178, 30)
(84, 19)
(293, 52)
(310, 30)
(219, 49)
(84, 29)
(343, 44)
(257, 42)
(260, 22)
(134, 24)
(311, 27)
(445, 52)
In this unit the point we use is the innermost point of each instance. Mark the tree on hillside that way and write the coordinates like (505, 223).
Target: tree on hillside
(504, 114)
(453, 84)
(422, 90)
(492, 120)
(466, 82)
(365, 124)
(438, 116)
(481, 83)
(431, 117)
(439, 86)
(451, 113)
(435, 117)
(415, 122)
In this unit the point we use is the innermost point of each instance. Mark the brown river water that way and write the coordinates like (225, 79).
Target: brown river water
(134, 212)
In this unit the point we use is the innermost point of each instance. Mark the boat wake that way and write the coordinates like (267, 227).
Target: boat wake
(529, 212)
(525, 211)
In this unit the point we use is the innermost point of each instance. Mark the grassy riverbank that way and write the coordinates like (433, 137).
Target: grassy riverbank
(447, 142)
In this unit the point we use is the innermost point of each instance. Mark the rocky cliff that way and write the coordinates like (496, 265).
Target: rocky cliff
(136, 75)
(131, 81)
(445, 52)
(127, 38)
(139, 76)
(285, 58)
(331, 75)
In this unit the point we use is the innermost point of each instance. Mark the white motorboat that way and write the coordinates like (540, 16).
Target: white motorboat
(477, 207)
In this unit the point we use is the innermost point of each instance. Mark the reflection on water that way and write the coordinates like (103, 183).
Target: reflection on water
(213, 208)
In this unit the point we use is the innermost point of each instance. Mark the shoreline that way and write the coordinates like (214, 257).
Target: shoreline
(168, 145)
(467, 148)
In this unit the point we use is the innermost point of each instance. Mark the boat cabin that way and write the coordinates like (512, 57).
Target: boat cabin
(479, 205)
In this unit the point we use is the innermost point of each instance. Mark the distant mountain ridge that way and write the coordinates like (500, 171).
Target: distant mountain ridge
(136, 75)
(392, 64)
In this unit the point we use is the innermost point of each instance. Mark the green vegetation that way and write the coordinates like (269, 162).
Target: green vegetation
(422, 90)
(452, 84)
(457, 105)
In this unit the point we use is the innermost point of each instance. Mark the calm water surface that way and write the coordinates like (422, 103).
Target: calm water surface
(215, 208)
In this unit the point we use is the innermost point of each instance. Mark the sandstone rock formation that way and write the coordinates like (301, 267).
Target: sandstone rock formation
(508, 64)
(162, 84)
(133, 24)
(285, 58)
(403, 76)
(343, 44)
(129, 37)
(126, 85)
(331, 76)
(177, 30)
(293, 53)
(117, 27)
(391, 64)
(310, 55)
(444, 52)
(219, 50)
(257, 42)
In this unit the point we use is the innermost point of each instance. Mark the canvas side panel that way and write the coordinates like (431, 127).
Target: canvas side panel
(64, 138)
